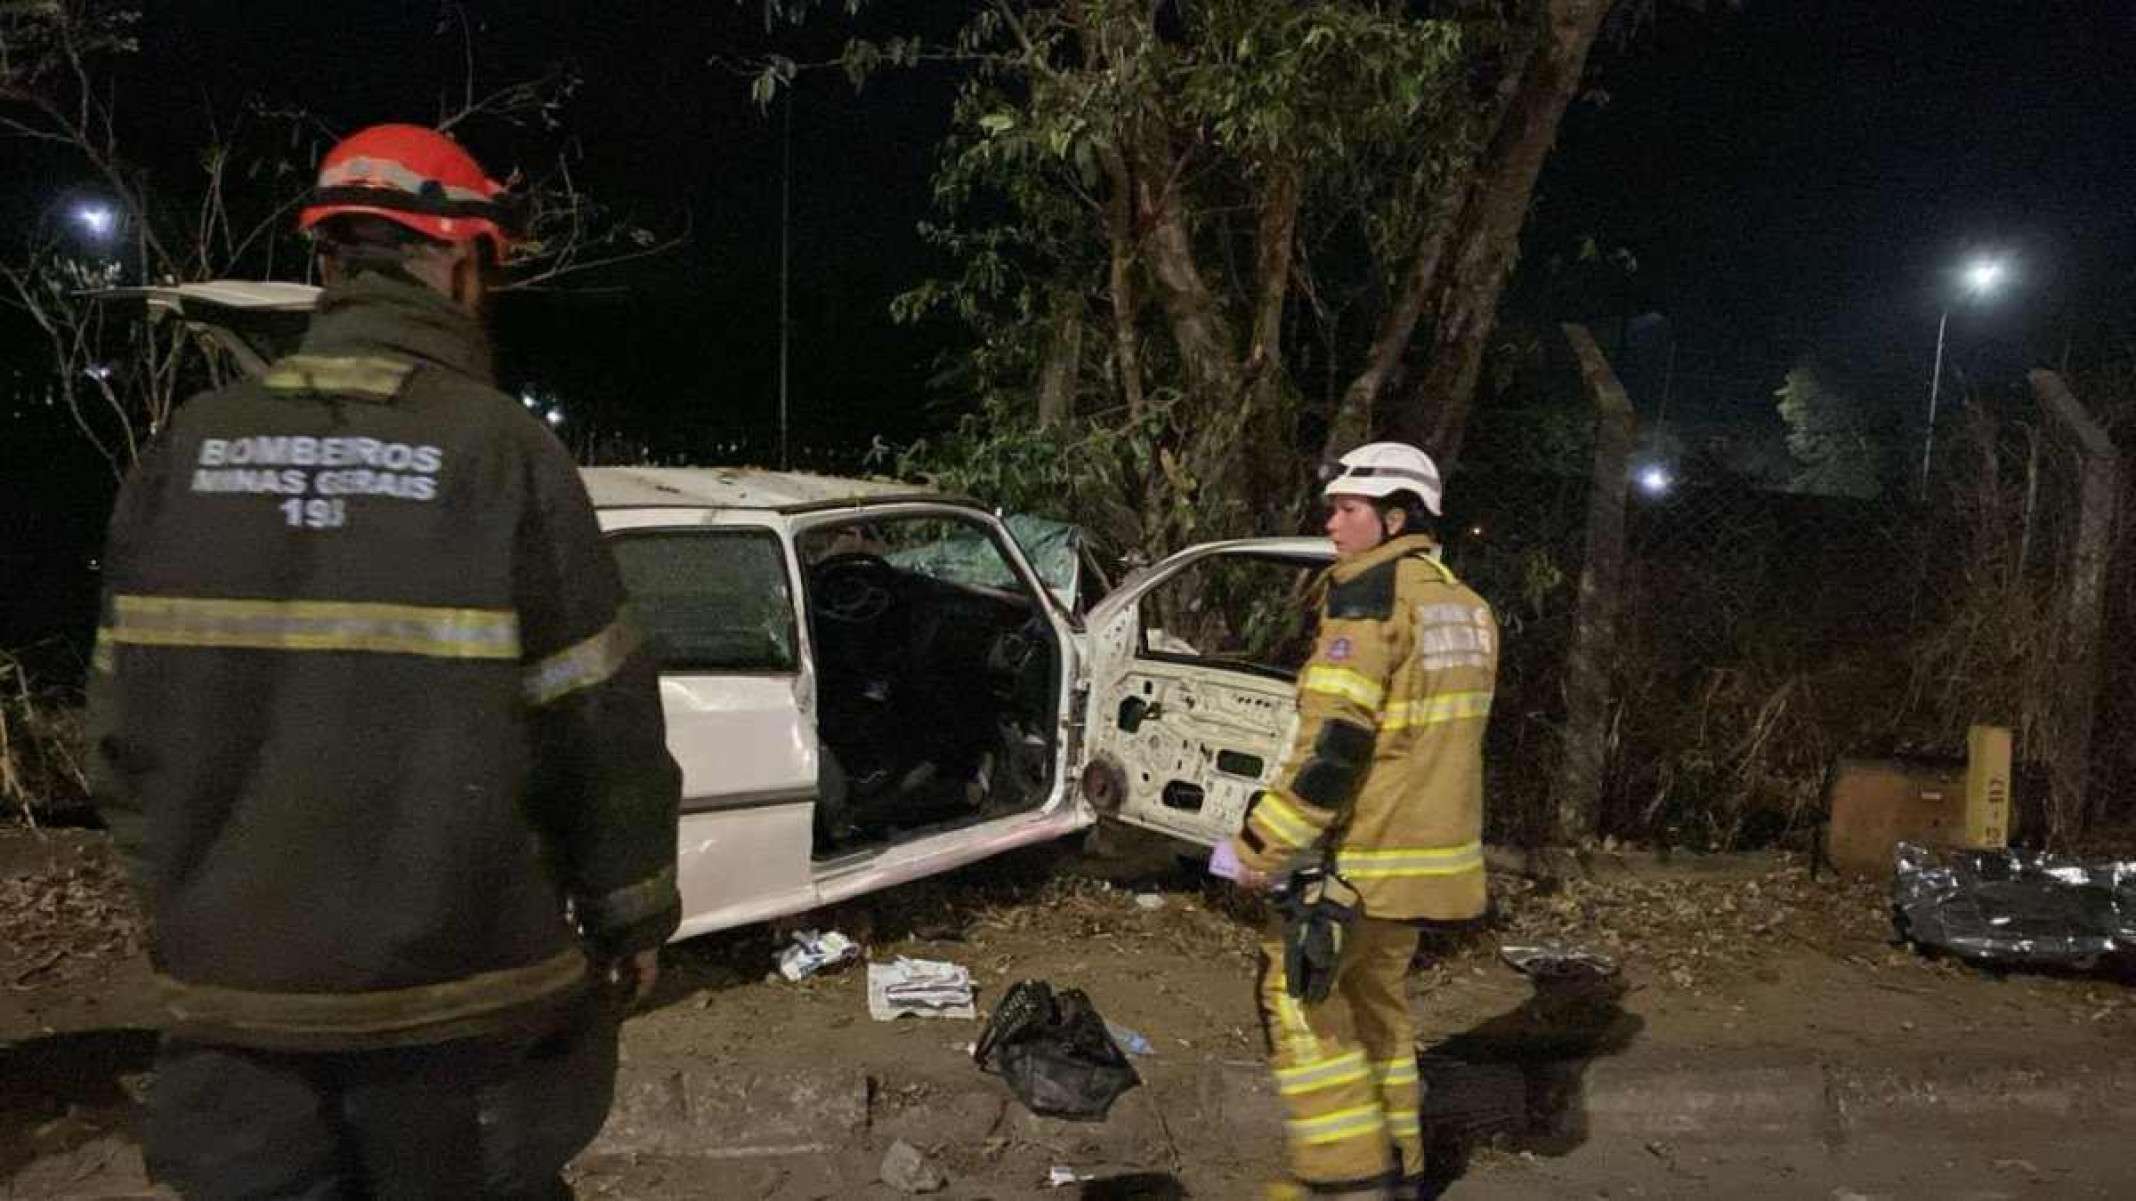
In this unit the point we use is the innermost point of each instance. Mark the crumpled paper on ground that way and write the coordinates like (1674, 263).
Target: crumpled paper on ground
(927, 988)
(814, 950)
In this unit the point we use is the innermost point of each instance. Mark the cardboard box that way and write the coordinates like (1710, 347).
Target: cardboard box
(1877, 803)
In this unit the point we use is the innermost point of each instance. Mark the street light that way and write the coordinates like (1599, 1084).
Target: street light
(1655, 480)
(1980, 279)
(97, 219)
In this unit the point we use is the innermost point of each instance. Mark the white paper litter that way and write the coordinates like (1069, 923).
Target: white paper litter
(814, 950)
(925, 988)
(1063, 1177)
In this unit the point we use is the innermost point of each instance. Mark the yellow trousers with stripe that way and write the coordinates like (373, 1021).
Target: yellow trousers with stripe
(1346, 1068)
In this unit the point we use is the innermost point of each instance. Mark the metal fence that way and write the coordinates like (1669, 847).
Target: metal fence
(1756, 635)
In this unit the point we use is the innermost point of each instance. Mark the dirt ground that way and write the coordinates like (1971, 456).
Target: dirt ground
(1746, 960)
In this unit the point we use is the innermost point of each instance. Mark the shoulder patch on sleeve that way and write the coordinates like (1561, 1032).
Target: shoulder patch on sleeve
(1370, 596)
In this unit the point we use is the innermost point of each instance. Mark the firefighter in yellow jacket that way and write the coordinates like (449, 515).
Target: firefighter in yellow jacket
(1385, 778)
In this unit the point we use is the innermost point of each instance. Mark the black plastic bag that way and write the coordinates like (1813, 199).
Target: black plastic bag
(2015, 907)
(1054, 1052)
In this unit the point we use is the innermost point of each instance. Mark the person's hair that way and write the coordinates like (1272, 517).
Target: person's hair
(1416, 519)
(364, 242)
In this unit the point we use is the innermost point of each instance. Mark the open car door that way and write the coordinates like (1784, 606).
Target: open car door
(1192, 683)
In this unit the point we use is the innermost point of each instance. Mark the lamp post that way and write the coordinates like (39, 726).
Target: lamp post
(1980, 278)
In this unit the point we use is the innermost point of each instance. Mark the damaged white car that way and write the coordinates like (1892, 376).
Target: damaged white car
(865, 685)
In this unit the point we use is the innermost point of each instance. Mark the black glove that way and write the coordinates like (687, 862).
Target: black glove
(1318, 907)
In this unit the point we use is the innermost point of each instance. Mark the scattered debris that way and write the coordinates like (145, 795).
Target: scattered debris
(814, 950)
(69, 920)
(1149, 902)
(1055, 1052)
(925, 988)
(1130, 1041)
(1060, 1177)
(2015, 907)
(907, 1170)
(1692, 931)
(1555, 959)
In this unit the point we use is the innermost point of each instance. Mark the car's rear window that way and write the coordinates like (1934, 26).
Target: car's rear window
(712, 600)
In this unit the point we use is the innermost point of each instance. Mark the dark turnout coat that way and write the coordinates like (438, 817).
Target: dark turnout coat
(366, 708)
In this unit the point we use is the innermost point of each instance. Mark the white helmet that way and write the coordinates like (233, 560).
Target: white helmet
(1381, 469)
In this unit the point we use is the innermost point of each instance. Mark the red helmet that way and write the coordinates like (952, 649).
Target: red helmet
(414, 177)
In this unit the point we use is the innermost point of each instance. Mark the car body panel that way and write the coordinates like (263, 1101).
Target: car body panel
(1214, 734)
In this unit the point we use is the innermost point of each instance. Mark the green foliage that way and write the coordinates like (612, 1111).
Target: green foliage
(1081, 125)
(1094, 472)
(1836, 451)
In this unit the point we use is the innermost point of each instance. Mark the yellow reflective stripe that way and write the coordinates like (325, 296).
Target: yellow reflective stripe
(1335, 1127)
(442, 633)
(1342, 682)
(332, 373)
(583, 665)
(1395, 1072)
(1298, 1033)
(1327, 1073)
(1404, 1122)
(1453, 706)
(1410, 861)
(1283, 822)
(102, 658)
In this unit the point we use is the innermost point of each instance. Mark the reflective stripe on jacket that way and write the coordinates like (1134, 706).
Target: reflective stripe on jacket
(1387, 763)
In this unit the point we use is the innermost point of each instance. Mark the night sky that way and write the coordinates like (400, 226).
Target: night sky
(1795, 178)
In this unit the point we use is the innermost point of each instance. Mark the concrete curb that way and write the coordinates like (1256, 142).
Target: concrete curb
(708, 1110)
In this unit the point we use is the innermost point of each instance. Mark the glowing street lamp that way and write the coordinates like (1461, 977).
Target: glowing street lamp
(97, 220)
(1981, 278)
(1654, 480)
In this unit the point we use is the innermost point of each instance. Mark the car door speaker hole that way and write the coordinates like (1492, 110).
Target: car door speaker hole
(1183, 796)
(1104, 785)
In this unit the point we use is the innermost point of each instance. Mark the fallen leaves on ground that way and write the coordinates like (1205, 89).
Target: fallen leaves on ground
(65, 920)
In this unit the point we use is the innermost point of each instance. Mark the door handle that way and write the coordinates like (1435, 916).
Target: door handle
(1134, 711)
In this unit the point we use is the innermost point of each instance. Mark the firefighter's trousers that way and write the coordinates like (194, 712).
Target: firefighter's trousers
(1346, 1068)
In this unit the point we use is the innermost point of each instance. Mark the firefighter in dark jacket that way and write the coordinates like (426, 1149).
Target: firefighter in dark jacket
(373, 729)
(1384, 784)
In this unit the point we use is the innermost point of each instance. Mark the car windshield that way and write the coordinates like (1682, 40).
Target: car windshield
(948, 550)
(711, 600)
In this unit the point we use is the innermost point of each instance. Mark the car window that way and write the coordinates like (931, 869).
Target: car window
(954, 550)
(711, 600)
(1232, 611)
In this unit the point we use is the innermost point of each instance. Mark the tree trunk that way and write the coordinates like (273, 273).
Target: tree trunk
(1435, 413)
(1064, 359)
(2099, 493)
(1576, 796)
(1461, 263)
(1120, 235)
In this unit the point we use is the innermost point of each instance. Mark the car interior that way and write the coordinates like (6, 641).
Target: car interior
(937, 678)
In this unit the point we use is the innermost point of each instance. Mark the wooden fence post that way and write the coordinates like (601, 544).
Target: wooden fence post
(2084, 614)
(1577, 792)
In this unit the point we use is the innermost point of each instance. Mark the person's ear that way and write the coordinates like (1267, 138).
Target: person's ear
(470, 279)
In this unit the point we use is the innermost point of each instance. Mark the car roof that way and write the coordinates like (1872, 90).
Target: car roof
(740, 488)
(275, 295)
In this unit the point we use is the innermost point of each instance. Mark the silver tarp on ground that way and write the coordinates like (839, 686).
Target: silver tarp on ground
(2015, 907)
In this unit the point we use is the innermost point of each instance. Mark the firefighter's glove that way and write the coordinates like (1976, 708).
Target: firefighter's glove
(1318, 907)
